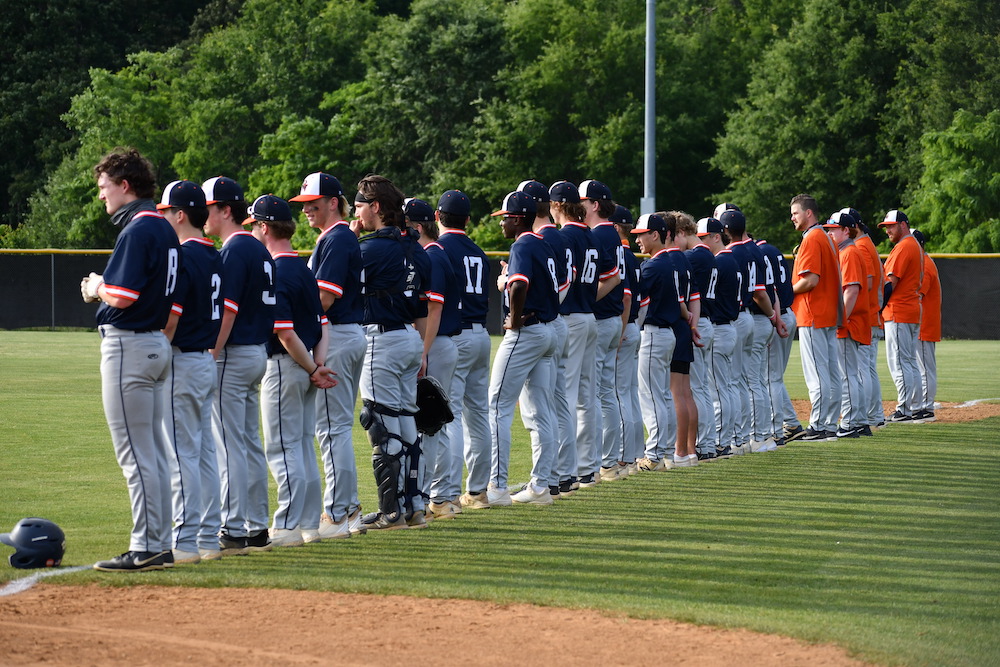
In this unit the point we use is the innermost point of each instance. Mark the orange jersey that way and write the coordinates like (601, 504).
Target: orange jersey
(906, 262)
(853, 271)
(819, 306)
(930, 311)
(874, 265)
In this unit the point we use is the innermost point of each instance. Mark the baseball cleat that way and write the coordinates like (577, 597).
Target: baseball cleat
(923, 416)
(566, 488)
(610, 474)
(379, 521)
(475, 501)
(311, 536)
(441, 511)
(257, 541)
(334, 530)
(286, 537)
(766, 445)
(532, 495)
(853, 432)
(415, 519)
(793, 433)
(589, 481)
(812, 435)
(723, 452)
(354, 521)
(186, 557)
(232, 546)
(498, 497)
(210, 554)
(135, 561)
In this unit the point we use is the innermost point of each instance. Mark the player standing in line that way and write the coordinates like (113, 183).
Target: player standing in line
(663, 307)
(394, 350)
(627, 361)
(784, 422)
(930, 334)
(295, 370)
(524, 359)
(241, 358)
(905, 273)
(876, 414)
(744, 340)
(725, 311)
(599, 206)
(336, 263)
(192, 329)
(437, 480)
(564, 412)
(818, 310)
(855, 332)
(704, 277)
(135, 294)
(468, 434)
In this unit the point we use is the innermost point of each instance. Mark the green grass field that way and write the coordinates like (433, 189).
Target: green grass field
(887, 546)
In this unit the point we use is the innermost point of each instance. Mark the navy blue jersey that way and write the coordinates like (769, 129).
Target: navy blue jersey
(704, 275)
(682, 267)
(469, 261)
(198, 297)
(418, 274)
(144, 268)
(777, 266)
(298, 307)
(533, 262)
(631, 278)
(384, 272)
(581, 266)
(727, 289)
(336, 261)
(552, 236)
(611, 262)
(444, 289)
(765, 277)
(658, 284)
(746, 265)
(248, 288)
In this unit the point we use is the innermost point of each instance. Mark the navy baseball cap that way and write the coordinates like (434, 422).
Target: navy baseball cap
(894, 216)
(841, 219)
(268, 208)
(180, 194)
(564, 191)
(221, 188)
(733, 220)
(708, 226)
(318, 185)
(621, 216)
(455, 202)
(722, 208)
(517, 203)
(535, 189)
(417, 210)
(594, 190)
(649, 222)
(919, 236)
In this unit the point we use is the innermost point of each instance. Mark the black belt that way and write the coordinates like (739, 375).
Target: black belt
(784, 310)
(385, 328)
(186, 350)
(469, 326)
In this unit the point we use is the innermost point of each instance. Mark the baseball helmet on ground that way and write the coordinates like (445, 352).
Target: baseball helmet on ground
(37, 543)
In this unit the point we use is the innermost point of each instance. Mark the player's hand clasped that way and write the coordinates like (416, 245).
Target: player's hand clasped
(89, 286)
(323, 377)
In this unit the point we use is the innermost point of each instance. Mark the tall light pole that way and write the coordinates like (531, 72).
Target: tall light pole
(648, 202)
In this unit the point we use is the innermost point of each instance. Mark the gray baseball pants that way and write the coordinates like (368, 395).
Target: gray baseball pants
(901, 355)
(441, 478)
(656, 347)
(609, 336)
(703, 387)
(818, 347)
(469, 434)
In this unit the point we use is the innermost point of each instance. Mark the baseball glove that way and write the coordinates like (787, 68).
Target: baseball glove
(433, 406)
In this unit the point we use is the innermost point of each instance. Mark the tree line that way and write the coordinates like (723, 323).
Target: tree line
(874, 105)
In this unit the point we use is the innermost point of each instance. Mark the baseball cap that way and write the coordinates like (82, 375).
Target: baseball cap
(535, 189)
(318, 185)
(564, 191)
(621, 216)
(517, 203)
(841, 218)
(268, 208)
(221, 188)
(649, 222)
(733, 220)
(182, 194)
(722, 208)
(894, 216)
(708, 226)
(919, 236)
(455, 202)
(853, 212)
(417, 210)
(594, 190)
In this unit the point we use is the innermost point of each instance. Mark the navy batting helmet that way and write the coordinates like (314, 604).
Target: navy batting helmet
(37, 543)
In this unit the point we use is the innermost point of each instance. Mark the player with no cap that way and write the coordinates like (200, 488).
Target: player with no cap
(135, 295)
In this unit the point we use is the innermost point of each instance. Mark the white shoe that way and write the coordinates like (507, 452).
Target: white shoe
(286, 537)
(768, 445)
(333, 530)
(498, 497)
(632, 468)
(185, 557)
(685, 461)
(533, 495)
(311, 535)
(209, 554)
(610, 474)
(357, 526)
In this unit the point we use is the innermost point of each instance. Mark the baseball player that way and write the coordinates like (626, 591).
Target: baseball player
(930, 334)
(856, 331)
(524, 359)
(818, 310)
(468, 434)
(394, 350)
(135, 295)
(905, 273)
(627, 361)
(193, 327)
(295, 369)
(336, 263)
(241, 358)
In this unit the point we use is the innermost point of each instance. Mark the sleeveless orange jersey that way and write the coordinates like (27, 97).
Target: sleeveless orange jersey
(930, 312)
(853, 271)
(818, 307)
(906, 262)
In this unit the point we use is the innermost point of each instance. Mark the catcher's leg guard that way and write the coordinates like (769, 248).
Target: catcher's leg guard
(413, 454)
(385, 465)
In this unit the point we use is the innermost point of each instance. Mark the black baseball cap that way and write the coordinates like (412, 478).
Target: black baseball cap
(455, 202)
(221, 188)
(182, 194)
(417, 210)
(268, 208)
(517, 203)
(318, 185)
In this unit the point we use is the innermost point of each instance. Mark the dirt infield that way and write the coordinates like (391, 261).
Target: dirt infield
(948, 413)
(148, 625)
